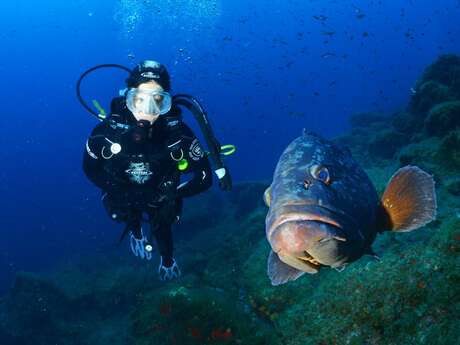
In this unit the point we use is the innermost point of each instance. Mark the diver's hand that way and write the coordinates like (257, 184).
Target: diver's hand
(167, 191)
(140, 246)
(170, 272)
(225, 180)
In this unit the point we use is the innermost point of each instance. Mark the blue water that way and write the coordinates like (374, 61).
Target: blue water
(263, 70)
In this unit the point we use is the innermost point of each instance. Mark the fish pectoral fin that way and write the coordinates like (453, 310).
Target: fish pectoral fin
(279, 272)
(409, 200)
(267, 196)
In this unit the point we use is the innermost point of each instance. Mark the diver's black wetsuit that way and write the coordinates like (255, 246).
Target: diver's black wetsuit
(144, 175)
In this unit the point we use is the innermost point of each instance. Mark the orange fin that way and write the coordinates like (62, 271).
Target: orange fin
(409, 201)
(267, 196)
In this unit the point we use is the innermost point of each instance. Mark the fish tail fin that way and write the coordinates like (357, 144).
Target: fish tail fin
(409, 200)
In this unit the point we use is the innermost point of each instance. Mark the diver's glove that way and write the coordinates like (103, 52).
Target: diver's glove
(167, 191)
(170, 272)
(140, 246)
(225, 180)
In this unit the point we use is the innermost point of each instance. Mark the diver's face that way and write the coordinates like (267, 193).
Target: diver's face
(149, 86)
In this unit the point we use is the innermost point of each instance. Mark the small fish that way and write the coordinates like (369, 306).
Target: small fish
(327, 55)
(325, 211)
(320, 17)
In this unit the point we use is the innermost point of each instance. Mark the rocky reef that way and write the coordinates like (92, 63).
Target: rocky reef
(411, 296)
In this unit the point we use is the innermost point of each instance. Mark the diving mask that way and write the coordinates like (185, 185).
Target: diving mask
(148, 102)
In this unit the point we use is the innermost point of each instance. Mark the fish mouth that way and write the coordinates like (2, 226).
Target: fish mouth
(305, 263)
(299, 231)
(305, 217)
(302, 211)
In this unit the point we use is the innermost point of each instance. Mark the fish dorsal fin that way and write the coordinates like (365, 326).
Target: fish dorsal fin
(306, 132)
(279, 272)
(267, 196)
(409, 200)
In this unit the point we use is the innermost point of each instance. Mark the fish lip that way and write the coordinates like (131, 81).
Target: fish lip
(299, 217)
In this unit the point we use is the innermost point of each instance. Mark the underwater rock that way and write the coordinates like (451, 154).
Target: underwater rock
(439, 83)
(178, 314)
(203, 212)
(403, 122)
(366, 120)
(446, 71)
(441, 156)
(422, 153)
(270, 302)
(356, 141)
(427, 96)
(449, 151)
(246, 197)
(443, 118)
(78, 307)
(37, 309)
(453, 186)
(209, 209)
(386, 143)
(5, 337)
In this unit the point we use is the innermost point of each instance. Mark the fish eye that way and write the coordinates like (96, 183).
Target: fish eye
(321, 173)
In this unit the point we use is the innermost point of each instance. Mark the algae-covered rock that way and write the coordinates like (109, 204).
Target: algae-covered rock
(38, 310)
(422, 153)
(449, 151)
(75, 307)
(246, 196)
(427, 96)
(439, 83)
(445, 70)
(443, 118)
(453, 186)
(403, 122)
(266, 301)
(357, 141)
(196, 316)
(367, 120)
(386, 143)
(208, 210)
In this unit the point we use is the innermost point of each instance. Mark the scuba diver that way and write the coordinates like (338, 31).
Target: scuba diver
(140, 155)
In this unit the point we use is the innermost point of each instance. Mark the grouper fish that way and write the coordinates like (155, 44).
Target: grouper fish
(324, 210)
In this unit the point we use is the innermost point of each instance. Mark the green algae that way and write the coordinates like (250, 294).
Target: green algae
(443, 118)
(195, 316)
(428, 95)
